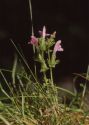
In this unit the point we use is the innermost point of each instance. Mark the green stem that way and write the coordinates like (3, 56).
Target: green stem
(51, 73)
(24, 60)
(83, 95)
(44, 73)
(67, 91)
(45, 78)
(35, 69)
(30, 6)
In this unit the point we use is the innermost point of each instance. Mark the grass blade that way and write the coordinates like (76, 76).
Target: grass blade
(4, 120)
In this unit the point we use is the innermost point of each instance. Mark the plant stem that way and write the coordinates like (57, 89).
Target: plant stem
(45, 78)
(24, 60)
(44, 74)
(84, 88)
(51, 73)
(67, 91)
(30, 6)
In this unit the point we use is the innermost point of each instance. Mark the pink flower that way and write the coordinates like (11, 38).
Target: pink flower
(34, 41)
(43, 33)
(58, 47)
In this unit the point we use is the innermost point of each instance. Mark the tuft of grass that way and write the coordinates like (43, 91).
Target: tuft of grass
(34, 103)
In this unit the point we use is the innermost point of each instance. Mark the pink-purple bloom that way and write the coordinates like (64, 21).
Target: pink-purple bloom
(34, 41)
(43, 33)
(58, 47)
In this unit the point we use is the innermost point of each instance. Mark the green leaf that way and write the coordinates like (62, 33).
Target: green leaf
(44, 67)
(42, 44)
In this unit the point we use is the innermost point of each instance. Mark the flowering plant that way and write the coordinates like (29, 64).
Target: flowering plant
(29, 102)
(45, 53)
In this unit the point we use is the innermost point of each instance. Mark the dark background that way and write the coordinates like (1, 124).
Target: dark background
(68, 17)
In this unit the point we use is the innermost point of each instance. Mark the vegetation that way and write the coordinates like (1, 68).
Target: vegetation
(30, 100)
(26, 99)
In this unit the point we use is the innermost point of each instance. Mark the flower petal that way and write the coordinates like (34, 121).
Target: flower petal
(34, 41)
(44, 32)
(58, 47)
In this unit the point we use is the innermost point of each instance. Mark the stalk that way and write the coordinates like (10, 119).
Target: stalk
(51, 72)
(24, 60)
(30, 6)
